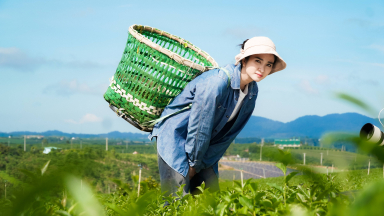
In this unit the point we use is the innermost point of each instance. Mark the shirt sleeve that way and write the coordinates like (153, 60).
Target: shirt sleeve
(201, 119)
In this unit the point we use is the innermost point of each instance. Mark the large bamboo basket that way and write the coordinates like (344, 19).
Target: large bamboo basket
(155, 67)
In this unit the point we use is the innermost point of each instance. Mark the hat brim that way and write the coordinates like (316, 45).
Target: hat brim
(261, 49)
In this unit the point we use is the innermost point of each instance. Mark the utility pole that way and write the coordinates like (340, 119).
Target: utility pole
(241, 176)
(106, 144)
(321, 159)
(138, 188)
(369, 164)
(81, 146)
(25, 143)
(304, 159)
(261, 148)
(126, 145)
(5, 189)
(9, 140)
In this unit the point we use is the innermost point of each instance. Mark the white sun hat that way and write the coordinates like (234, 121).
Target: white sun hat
(261, 45)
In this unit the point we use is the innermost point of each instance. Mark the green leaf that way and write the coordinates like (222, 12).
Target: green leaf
(226, 198)
(243, 211)
(253, 187)
(259, 195)
(45, 167)
(301, 197)
(289, 176)
(247, 182)
(238, 183)
(71, 208)
(356, 102)
(84, 196)
(267, 203)
(220, 209)
(282, 167)
(274, 185)
(303, 191)
(244, 201)
(63, 213)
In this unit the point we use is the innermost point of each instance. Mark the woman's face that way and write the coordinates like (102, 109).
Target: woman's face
(258, 67)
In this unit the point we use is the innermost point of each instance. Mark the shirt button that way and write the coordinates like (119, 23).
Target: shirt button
(215, 131)
(235, 98)
(227, 116)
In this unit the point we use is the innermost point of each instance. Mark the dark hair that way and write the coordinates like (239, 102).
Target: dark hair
(246, 58)
(242, 47)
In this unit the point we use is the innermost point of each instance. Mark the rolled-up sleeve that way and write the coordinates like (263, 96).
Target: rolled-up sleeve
(201, 119)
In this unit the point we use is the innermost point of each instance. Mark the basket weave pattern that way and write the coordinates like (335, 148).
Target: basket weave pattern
(155, 67)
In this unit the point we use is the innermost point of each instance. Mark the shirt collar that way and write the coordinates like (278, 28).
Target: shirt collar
(235, 79)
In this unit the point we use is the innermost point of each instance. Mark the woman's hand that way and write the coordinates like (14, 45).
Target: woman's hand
(192, 172)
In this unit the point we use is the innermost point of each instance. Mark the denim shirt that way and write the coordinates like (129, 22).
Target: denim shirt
(195, 137)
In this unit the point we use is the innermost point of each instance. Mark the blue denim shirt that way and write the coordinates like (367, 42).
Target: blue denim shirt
(195, 137)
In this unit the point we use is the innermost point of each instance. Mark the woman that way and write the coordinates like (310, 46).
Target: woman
(191, 143)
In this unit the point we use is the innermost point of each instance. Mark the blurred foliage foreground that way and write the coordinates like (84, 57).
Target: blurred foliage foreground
(66, 184)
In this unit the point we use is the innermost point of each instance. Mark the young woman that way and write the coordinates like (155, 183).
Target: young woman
(191, 143)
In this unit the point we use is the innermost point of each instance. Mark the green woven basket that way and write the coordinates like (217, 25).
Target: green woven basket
(155, 68)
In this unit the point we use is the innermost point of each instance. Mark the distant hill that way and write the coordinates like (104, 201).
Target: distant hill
(311, 126)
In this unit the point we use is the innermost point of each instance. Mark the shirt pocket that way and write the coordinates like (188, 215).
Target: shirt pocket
(219, 114)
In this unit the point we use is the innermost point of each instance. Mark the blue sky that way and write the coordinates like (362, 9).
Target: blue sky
(56, 57)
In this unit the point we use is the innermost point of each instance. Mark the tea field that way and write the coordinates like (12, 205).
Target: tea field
(92, 181)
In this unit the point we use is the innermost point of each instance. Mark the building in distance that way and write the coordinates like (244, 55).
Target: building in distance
(287, 143)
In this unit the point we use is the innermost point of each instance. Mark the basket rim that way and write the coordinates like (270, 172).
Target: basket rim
(179, 59)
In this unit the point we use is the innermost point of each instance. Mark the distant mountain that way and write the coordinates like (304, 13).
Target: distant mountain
(311, 126)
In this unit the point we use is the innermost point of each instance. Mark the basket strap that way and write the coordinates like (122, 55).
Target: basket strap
(229, 76)
(153, 122)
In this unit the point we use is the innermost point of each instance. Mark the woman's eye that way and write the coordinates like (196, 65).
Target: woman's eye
(258, 61)
(269, 65)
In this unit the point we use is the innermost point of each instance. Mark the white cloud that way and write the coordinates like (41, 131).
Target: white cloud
(377, 47)
(16, 59)
(67, 88)
(244, 32)
(377, 64)
(87, 118)
(362, 63)
(307, 87)
(322, 79)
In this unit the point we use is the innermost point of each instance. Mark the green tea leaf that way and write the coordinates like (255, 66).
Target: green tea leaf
(267, 203)
(289, 176)
(244, 201)
(282, 167)
(45, 168)
(243, 210)
(355, 101)
(84, 196)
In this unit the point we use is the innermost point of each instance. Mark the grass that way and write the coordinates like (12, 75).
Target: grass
(339, 159)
